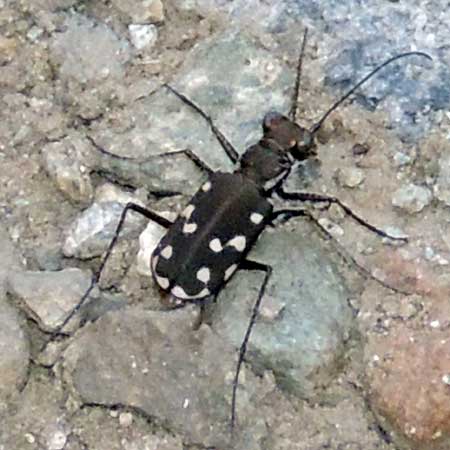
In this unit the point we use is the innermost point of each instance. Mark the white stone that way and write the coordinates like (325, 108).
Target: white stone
(412, 198)
(126, 419)
(148, 240)
(142, 36)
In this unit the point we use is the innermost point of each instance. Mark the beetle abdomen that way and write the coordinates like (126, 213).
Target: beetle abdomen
(203, 248)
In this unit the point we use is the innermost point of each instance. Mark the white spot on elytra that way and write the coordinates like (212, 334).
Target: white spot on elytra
(230, 272)
(179, 292)
(215, 245)
(256, 218)
(238, 242)
(203, 275)
(167, 252)
(203, 293)
(206, 187)
(188, 211)
(189, 227)
(162, 281)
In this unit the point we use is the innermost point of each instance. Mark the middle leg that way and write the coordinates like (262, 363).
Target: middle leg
(319, 198)
(289, 214)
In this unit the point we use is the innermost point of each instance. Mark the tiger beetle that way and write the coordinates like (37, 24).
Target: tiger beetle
(211, 238)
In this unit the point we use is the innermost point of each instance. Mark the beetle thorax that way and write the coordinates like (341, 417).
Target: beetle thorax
(271, 159)
(265, 163)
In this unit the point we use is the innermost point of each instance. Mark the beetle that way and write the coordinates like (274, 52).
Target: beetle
(211, 238)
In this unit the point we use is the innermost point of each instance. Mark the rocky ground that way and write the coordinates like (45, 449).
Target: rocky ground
(351, 350)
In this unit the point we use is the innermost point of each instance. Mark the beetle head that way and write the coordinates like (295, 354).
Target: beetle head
(298, 141)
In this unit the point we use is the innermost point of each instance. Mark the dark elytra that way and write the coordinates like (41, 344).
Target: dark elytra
(211, 238)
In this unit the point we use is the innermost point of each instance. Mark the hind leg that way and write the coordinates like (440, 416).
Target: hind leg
(151, 215)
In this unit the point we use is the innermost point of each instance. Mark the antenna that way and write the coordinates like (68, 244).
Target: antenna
(317, 125)
(293, 111)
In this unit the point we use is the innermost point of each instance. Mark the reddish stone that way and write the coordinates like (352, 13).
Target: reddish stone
(410, 385)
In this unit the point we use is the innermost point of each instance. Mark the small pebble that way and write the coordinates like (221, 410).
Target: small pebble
(57, 441)
(412, 198)
(401, 159)
(125, 419)
(360, 149)
(350, 177)
(29, 437)
(332, 228)
(143, 35)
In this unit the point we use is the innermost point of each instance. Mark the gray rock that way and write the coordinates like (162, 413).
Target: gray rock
(351, 40)
(56, 437)
(254, 13)
(47, 5)
(304, 343)
(233, 79)
(9, 258)
(402, 159)
(412, 198)
(156, 362)
(92, 231)
(14, 352)
(144, 11)
(164, 443)
(14, 346)
(63, 163)
(49, 296)
(169, 173)
(95, 421)
(37, 418)
(442, 187)
(88, 51)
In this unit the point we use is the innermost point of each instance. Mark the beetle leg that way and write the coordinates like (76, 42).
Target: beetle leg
(288, 214)
(196, 160)
(291, 213)
(230, 151)
(248, 265)
(315, 198)
(129, 207)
